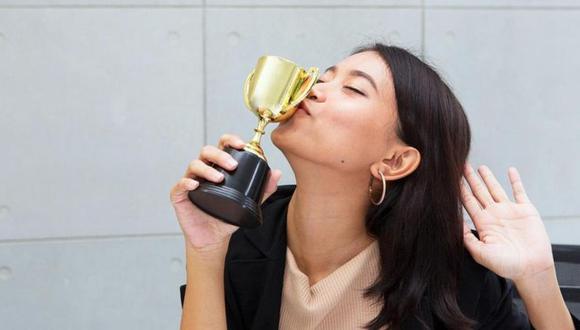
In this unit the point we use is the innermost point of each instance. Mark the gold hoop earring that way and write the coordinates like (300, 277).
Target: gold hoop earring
(383, 193)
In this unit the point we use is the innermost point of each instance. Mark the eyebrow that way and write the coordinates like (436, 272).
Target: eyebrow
(356, 73)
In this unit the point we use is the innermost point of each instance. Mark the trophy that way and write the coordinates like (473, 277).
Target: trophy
(272, 92)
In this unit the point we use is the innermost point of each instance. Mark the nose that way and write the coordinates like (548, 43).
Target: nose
(316, 94)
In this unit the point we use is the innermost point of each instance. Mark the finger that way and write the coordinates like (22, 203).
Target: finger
(272, 183)
(518, 190)
(466, 228)
(230, 140)
(472, 244)
(496, 190)
(477, 187)
(471, 204)
(199, 169)
(211, 154)
(180, 190)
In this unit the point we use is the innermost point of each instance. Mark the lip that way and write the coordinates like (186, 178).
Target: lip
(302, 106)
(302, 110)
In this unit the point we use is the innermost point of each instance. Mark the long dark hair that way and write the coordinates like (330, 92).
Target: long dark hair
(419, 225)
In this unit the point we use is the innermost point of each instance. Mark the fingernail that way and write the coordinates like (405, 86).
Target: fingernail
(232, 162)
(218, 176)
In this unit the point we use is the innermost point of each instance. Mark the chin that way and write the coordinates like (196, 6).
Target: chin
(292, 144)
(285, 139)
(277, 136)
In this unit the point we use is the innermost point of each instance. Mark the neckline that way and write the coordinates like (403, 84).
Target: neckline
(362, 257)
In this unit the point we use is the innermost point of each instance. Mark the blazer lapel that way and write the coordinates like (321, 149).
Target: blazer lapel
(256, 270)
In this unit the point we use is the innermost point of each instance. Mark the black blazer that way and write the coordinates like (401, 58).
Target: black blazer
(254, 272)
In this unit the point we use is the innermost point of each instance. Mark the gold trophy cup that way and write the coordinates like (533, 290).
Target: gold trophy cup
(272, 91)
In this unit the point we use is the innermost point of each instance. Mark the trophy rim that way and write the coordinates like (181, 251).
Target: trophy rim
(280, 58)
(287, 110)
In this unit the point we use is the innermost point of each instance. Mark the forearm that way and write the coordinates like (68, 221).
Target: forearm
(204, 303)
(544, 302)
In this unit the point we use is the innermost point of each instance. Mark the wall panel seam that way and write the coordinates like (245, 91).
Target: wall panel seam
(204, 71)
(423, 29)
(315, 6)
(166, 6)
(104, 6)
(70, 239)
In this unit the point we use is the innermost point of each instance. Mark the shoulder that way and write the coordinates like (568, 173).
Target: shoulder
(487, 298)
(282, 193)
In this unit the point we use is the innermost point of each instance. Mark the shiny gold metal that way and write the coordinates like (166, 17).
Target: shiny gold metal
(272, 91)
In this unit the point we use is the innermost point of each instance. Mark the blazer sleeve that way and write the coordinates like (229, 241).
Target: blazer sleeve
(497, 310)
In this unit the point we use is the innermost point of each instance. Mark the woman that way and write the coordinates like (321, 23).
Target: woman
(384, 114)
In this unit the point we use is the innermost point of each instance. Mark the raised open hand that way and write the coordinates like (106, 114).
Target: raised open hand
(513, 242)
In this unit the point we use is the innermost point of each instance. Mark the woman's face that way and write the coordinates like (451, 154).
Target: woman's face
(352, 117)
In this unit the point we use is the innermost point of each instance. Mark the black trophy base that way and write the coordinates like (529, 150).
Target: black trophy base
(236, 199)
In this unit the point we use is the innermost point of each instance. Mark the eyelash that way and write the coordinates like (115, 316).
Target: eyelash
(347, 87)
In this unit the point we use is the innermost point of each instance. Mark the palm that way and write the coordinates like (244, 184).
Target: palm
(512, 239)
(201, 229)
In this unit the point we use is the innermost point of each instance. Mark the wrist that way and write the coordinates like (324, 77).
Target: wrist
(543, 300)
(218, 247)
(211, 257)
(544, 278)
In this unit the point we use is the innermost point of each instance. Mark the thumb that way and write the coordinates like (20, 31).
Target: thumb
(472, 244)
(272, 184)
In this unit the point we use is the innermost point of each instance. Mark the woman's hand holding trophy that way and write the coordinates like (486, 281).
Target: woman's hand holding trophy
(201, 230)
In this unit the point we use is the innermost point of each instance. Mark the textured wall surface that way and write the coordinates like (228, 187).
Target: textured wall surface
(104, 103)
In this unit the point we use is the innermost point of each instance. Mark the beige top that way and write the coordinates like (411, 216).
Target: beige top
(336, 301)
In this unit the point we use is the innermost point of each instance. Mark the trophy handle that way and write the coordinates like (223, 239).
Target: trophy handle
(312, 76)
(247, 89)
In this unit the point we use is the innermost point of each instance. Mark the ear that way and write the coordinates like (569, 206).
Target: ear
(397, 164)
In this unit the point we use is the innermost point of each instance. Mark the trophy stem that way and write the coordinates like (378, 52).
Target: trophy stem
(254, 145)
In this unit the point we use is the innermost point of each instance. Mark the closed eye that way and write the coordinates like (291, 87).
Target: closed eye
(347, 87)
(355, 90)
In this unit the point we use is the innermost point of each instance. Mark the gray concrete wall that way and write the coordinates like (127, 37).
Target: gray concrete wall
(103, 104)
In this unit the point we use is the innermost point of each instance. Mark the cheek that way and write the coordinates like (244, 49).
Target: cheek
(355, 122)
(353, 139)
